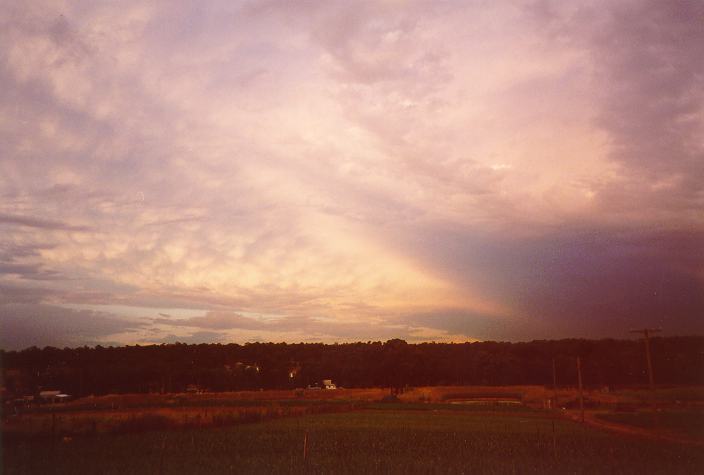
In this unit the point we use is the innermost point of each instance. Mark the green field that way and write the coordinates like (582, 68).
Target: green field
(690, 424)
(373, 441)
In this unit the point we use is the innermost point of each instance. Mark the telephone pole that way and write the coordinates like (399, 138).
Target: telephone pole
(646, 337)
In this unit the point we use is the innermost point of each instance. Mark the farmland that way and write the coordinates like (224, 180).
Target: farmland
(424, 431)
(397, 441)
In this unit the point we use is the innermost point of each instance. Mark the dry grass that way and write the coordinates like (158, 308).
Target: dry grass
(140, 412)
(117, 401)
(157, 418)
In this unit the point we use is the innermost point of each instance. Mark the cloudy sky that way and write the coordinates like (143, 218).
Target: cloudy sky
(341, 171)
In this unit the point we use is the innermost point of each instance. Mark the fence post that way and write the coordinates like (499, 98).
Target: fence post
(579, 380)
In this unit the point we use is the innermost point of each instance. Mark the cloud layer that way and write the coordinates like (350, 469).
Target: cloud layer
(336, 171)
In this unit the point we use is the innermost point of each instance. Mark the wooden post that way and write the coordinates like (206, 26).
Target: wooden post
(554, 384)
(161, 455)
(52, 452)
(305, 452)
(579, 381)
(554, 441)
(53, 432)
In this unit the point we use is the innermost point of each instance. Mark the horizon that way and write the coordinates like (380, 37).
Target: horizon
(356, 342)
(334, 172)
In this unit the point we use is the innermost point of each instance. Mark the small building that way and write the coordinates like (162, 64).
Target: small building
(49, 395)
(328, 384)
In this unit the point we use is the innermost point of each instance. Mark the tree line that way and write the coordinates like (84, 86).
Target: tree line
(394, 363)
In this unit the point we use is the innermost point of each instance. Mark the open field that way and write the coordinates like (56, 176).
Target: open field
(530, 395)
(689, 424)
(139, 412)
(434, 429)
(386, 441)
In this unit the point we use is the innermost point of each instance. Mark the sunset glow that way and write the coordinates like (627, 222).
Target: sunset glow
(343, 171)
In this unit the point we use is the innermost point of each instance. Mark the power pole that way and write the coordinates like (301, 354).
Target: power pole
(646, 336)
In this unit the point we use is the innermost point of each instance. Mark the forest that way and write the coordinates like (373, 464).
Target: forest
(394, 363)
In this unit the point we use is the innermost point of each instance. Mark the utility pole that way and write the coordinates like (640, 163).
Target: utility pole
(646, 336)
(579, 380)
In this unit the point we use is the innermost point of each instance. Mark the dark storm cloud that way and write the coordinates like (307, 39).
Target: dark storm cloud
(640, 259)
(570, 282)
(481, 327)
(26, 324)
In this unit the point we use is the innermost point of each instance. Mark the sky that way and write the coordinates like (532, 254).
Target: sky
(334, 171)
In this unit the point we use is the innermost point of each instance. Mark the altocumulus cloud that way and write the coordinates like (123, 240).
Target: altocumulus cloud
(350, 171)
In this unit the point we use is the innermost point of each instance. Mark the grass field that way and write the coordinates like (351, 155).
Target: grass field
(391, 440)
(686, 423)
